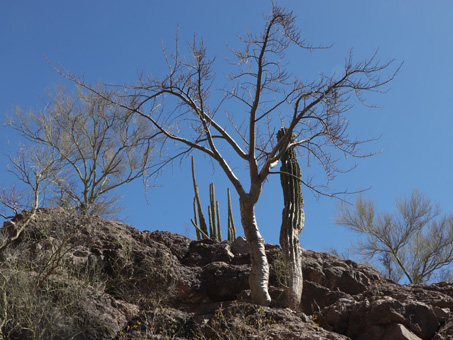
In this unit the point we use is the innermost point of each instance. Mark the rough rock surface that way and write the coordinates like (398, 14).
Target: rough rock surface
(129, 284)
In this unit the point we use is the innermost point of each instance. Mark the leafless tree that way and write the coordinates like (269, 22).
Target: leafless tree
(262, 96)
(98, 146)
(33, 168)
(415, 242)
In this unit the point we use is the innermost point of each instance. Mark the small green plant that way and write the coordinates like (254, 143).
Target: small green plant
(199, 222)
(315, 320)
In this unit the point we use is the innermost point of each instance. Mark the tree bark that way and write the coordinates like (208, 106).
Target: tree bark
(259, 276)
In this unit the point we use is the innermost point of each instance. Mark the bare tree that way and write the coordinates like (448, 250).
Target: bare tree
(414, 242)
(98, 146)
(33, 167)
(263, 96)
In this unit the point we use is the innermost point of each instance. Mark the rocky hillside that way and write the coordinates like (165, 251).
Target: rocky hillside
(69, 277)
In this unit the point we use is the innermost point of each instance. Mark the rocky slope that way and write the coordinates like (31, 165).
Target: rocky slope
(89, 278)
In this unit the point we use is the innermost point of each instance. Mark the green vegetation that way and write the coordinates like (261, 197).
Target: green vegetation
(414, 243)
(293, 219)
(199, 222)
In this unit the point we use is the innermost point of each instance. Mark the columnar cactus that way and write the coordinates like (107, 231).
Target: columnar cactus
(201, 228)
(231, 227)
(212, 213)
(199, 222)
(293, 219)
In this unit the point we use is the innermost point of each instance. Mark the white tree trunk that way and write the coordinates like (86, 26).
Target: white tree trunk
(259, 276)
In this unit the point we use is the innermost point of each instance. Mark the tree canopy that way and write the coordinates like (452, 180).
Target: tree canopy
(415, 242)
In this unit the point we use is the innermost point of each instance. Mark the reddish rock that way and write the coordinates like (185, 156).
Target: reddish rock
(137, 283)
(206, 251)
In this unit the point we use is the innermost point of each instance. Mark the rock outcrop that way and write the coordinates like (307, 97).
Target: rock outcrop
(89, 278)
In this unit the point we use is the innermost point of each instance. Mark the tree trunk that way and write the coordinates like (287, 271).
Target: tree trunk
(259, 276)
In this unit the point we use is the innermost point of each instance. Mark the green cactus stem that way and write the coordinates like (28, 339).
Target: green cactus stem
(195, 219)
(231, 227)
(212, 213)
(199, 222)
(219, 229)
(293, 219)
(202, 226)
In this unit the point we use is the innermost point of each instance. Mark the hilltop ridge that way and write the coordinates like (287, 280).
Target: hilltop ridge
(77, 277)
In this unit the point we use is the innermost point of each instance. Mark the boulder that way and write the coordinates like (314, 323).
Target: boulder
(205, 251)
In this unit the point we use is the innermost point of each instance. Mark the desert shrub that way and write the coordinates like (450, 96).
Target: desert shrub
(50, 312)
(41, 293)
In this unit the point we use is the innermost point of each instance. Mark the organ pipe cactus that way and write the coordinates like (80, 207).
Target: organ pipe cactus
(200, 228)
(199, 222)
(231, 227)
(293, 219)
(212, 213)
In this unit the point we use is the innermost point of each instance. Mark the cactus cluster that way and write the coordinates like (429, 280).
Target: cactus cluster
(199, 222)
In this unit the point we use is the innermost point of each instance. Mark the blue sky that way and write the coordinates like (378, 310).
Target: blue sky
(113, 40)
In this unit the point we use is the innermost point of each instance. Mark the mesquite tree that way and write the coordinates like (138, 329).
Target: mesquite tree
(97, 145)
(413, 243)
(293, 219)
(262, 95)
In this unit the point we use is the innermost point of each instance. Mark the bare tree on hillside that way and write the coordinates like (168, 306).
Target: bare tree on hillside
(265, 96)
(415, 242)
(33, 168)
(97, 145)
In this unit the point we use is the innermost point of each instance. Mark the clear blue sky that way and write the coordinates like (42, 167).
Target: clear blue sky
(112, 40)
